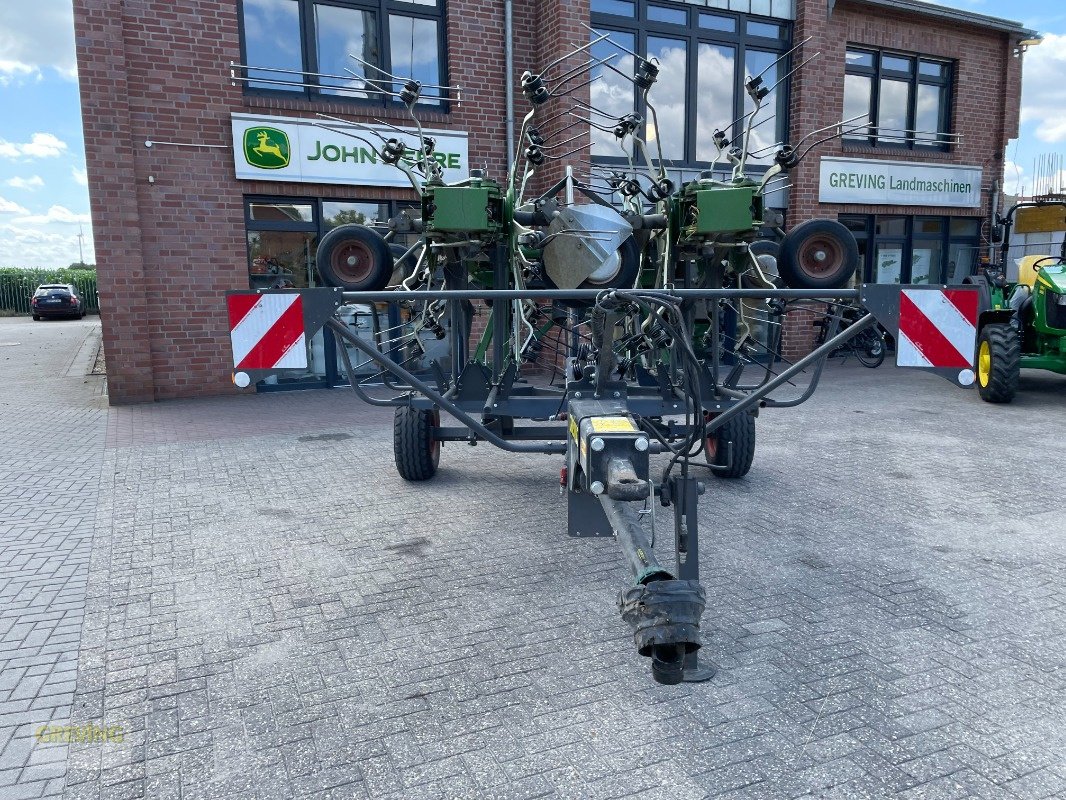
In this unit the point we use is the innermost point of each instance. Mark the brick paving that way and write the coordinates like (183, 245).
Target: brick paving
(271, 612)
(51, 450)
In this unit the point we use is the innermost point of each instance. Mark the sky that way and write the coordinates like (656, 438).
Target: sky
(44, 199)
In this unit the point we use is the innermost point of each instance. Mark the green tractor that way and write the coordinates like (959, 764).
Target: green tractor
(1022, 323)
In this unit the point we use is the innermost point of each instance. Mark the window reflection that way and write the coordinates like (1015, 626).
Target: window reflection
(668, 96)
(413, 45)
(767, 125)
(611, 94)
(338, 32)
(892, 110)
(272, 39)
(716, 66)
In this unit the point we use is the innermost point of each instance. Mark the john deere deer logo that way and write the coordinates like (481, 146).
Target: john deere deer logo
(266, 148)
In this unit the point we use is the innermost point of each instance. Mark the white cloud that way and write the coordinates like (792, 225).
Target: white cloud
(1014, 179)
(42, 246)
(79, 176)
(59, 214)
(12, 71)
(8, 207)
(31, 183)
(36, 36)
(1043, 89)
(40, 145)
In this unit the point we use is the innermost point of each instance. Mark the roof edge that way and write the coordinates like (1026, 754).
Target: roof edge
(955, 15)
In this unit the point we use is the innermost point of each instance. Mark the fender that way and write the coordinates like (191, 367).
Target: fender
(993, 317)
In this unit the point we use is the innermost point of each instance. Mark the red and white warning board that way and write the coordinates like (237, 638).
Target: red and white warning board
(937, 328)
(267, 331)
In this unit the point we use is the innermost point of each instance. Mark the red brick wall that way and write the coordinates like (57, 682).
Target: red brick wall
(985, 97)
(169, 248)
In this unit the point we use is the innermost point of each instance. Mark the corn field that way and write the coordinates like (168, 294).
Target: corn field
(17, 287)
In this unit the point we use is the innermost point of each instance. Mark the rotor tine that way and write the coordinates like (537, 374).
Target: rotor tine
(561, 93)
(574, 52)
(794, 70)
(782, 57)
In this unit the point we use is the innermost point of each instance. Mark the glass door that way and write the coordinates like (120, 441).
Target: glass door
(282, 240)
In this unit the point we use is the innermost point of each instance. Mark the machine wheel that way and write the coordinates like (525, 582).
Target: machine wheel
(417, 453)
(819, 254)
(354, 258)
(998, 360)
(740, 430)
(620, 274)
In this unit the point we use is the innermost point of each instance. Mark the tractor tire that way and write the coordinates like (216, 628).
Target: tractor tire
(998, 362)
(818, 254)
(740, 431)
(416, 452)
(354, 258)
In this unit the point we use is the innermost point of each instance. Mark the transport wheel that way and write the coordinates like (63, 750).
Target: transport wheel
(998, 362)
(819, 254)
(417, 453)
(740, 432)
(354, 258)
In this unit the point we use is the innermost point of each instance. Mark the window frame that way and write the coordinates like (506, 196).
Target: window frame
(914, 78)
(908, 239)
(309, 51)
(640, 27)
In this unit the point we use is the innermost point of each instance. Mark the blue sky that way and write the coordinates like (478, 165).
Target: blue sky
(43, 194)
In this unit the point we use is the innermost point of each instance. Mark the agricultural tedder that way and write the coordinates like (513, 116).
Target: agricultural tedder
(1022, 323)
(643, 294)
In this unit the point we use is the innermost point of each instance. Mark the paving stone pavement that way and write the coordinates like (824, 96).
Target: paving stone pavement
(51, 449)
(271, 612)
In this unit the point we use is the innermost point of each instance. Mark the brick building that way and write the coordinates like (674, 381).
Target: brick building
(187, 202)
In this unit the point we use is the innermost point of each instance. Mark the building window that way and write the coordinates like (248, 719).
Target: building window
(304, 47)
(704, 55)
(900, 100)
(915, 250)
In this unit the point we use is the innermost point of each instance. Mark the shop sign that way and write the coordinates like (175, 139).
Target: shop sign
(898, 183)
(301, 151)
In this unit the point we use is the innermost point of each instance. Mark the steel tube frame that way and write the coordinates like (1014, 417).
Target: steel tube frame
(592, 294)
(477, 427)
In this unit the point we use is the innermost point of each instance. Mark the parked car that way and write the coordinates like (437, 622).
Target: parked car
(57, 300)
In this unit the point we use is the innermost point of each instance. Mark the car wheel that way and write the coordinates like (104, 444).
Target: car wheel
(36, 317)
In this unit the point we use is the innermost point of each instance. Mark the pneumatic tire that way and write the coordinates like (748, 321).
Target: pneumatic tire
(414, 447)
(998, 361)
(818, 254)
(731, 447)
(354, 258)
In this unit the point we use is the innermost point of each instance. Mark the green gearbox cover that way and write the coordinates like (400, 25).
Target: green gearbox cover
(725, 210)
(454, 209)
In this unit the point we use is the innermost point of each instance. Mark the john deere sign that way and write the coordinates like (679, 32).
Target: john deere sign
(898, 183)
(297, 150)
(266, 148)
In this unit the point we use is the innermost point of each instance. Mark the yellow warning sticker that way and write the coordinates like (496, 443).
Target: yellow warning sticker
(573, 428)
(612, 425)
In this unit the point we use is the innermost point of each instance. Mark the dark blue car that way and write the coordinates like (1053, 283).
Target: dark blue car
(57, 300)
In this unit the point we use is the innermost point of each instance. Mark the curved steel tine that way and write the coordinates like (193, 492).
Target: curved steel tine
(593, 124)
(593, 110)
(577, 49)
(563, 144)
(840, 125)
(794, 70)
(564, 155)
(357, 125)
(367, 142)
(379, 69)
(562, 93)
(781, 58)
(763, 121)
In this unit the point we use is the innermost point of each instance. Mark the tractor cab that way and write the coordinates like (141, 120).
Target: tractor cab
(1022, 319)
